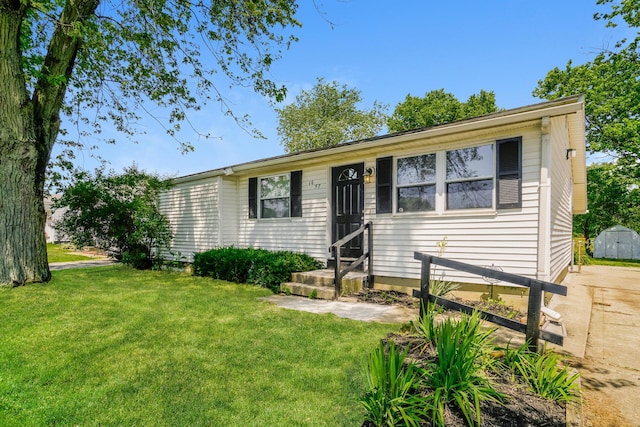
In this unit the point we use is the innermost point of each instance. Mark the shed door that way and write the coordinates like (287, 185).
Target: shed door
(624, 245)
(348, 206)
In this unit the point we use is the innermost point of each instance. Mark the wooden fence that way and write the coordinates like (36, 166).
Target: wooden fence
(536, 287)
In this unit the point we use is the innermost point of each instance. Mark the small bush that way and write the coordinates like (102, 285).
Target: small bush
(255, 266)
(138, 257)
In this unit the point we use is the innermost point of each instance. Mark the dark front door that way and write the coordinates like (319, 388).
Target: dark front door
(348, 206)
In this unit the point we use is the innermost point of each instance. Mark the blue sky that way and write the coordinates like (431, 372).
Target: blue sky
(387, 49)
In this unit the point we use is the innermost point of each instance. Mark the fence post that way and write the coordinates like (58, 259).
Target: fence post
(424, 284)
(337, 278)
(533, 316)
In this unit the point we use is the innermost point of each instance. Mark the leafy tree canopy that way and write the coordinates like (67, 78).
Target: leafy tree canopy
(438, 107)
(613, 197)
(106, 61)
(327, 115)
(117, 213)
(133, 57)
(611, 86)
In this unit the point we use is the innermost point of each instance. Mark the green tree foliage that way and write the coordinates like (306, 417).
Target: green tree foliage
(611, 86)
(613, 198)
(438, 107)
(100, 61)
(327, 115)
(117, 213)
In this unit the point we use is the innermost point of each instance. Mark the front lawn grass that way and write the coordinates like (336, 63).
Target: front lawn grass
(59, 253)
(113, 346)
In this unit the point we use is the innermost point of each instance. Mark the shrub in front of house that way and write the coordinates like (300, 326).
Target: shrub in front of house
(255, 266)
(231, 264)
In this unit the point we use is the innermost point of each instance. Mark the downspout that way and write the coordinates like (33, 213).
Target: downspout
(544, 205)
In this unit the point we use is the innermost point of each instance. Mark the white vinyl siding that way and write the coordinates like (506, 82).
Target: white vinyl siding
(306, 234)
(229, 211)
(192, 210)
(480, 239)
(561, 218)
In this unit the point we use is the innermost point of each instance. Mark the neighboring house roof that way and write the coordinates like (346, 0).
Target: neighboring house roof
(572, 106)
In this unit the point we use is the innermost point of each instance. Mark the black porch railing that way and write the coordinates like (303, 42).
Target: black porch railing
(536, 287)
(335, 248)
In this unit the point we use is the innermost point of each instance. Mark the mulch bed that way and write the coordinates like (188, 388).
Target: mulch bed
(521, 407)
(399, 298)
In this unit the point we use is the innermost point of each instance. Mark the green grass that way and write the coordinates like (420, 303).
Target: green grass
(113, 346)
(58, 253)
(613, 262)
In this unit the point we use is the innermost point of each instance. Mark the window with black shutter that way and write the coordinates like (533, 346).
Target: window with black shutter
(384, 182)
(277, 196)
(509, 173)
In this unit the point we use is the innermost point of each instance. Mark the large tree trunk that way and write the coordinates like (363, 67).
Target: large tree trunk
(28, 129)
(23, 251)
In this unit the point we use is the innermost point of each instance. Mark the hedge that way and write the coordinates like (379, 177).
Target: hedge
(255, 266)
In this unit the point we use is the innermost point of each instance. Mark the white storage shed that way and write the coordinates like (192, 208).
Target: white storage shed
(617, 242)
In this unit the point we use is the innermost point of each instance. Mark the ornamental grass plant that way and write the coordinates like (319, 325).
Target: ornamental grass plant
(544, 374)
(392, 398)
(458, 375)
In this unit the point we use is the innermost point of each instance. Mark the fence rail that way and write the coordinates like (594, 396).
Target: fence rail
(531, 329)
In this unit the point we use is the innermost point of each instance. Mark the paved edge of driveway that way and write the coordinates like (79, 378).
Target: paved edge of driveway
(54, 266)
(575, 309)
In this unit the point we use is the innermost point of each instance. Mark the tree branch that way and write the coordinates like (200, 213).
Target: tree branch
(56, 71)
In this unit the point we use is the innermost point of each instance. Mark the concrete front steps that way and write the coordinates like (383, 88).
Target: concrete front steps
(321, 281)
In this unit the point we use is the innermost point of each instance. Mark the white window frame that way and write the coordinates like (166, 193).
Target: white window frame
(262, 199)
(433, 183)
(472, 179)
(441, 183)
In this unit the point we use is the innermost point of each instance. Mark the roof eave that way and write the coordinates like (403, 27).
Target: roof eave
(568, 105)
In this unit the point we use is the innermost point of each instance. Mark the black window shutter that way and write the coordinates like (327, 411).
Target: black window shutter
(296, 193)
(253, 198)
(384, 181)
(509, 173)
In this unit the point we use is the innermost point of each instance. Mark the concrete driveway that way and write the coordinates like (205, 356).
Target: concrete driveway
(610, 359)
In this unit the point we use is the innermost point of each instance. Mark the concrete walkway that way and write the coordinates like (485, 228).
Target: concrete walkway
(81, 264)
(575, 308)
(351, 310)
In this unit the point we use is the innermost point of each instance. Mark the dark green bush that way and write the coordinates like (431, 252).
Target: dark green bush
(138, 257)
(254, 266)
